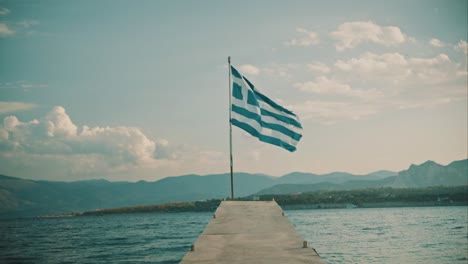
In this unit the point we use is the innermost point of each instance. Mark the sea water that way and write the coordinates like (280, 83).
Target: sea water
(386, 235)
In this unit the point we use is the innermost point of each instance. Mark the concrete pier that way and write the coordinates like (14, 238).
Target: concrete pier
(250, 232)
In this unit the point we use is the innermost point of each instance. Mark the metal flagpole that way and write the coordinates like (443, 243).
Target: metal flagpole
(230, 129)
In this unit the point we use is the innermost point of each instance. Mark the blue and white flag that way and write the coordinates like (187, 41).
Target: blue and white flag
(259, 116)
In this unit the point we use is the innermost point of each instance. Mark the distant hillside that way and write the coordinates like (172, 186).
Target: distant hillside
(432, 174)
(424, 175)
(370, 197)
(303, 188)
(383, 173)
(375, 197)
(21, 197)
(334, 177)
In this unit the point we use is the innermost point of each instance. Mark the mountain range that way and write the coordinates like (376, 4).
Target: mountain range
(25, 198)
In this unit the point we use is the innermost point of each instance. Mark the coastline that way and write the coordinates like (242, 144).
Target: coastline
(371, 205)
(191, 208)
(350, 199)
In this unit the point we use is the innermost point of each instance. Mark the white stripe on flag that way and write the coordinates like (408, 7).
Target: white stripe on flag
(268, 119)
(264, 131)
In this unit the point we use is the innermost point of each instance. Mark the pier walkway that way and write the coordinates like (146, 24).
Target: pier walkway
(250, 232)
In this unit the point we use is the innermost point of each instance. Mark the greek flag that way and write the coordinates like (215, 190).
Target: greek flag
(259, 116)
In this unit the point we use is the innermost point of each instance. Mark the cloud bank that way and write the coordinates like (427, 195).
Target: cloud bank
(307, 38)
(29, 147)
(249, 69)
(437, 43)
(371, 83)
(351, 34)
(56, 134)
(462, 46)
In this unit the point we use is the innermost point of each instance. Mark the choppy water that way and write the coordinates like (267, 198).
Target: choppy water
(131, 238)
(387, 235)
(390, 235)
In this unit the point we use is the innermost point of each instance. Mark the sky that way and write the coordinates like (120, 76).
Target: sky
(138, 90)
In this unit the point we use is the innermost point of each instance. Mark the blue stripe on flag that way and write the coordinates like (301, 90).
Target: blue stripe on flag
(281, 118)
(252, 99)
(249, 83)
(272, 140)
(236, 73)
(237, 91)
(258, 118)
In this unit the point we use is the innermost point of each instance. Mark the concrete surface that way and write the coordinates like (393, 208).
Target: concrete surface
(250, 232)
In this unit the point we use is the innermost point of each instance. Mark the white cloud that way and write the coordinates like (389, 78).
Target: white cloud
(10, 123)
(462, 46)
(371, 83)
(130, 144)
(5, 31)
(59, 123)
(4, 11)
(397, 69)
(249, 69)
(318, 67)
(437, 43)
(53, 147)
(307, 38)
(351, 34)
(323, 85)
(278, 70)
(328, 113)
(8, 107)
(369, 66)
(28, 23)
(56, 134)
(407, 79)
